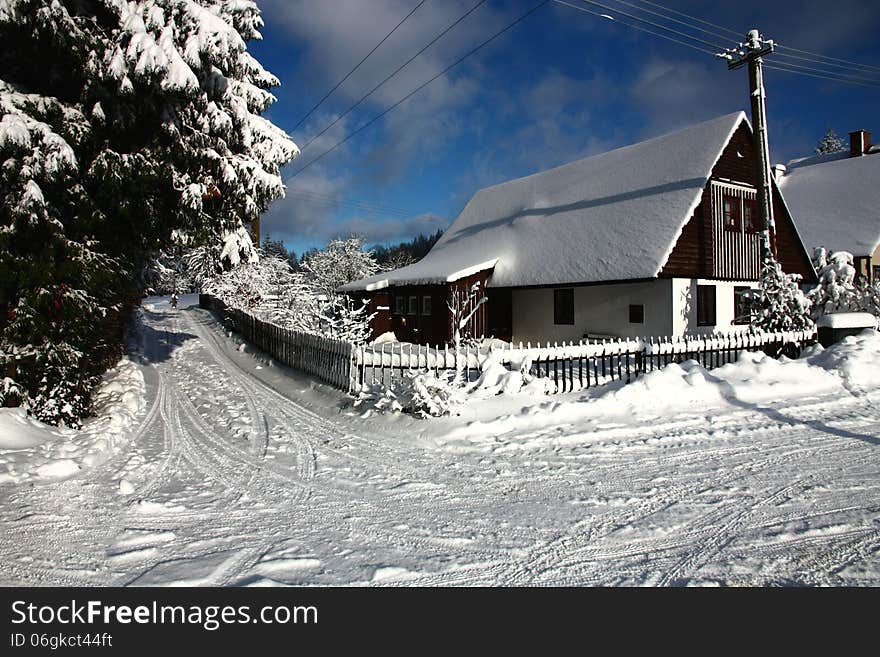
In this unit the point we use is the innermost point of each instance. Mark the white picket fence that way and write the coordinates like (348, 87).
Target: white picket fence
(572, 365)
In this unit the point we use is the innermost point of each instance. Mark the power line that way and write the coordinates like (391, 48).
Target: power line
(819, 62)
(867, 67)
(674, 20)
(653, 24)
(736, 34)
(424, 84)
(780, 66)
(396, 71)
(357, 66)
(635, 27)
(853, 78)
(836, 59)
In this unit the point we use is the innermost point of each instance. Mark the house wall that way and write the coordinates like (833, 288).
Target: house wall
(670, 309)
(434, 328)
(598, 309)
(684, 306)
(417, 327)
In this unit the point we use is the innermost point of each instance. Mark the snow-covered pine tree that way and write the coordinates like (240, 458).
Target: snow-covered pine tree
(830, 143)
(123, 123)
(779, 304)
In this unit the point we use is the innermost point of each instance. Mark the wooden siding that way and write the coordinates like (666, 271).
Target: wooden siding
(479, 324)
(419, 328)
(736, 253)
(703, 251)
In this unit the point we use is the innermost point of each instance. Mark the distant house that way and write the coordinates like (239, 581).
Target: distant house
(656, 238)
(835, 200)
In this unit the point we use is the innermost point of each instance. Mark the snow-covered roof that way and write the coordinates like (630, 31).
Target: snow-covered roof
(613, 216)
(835, 201)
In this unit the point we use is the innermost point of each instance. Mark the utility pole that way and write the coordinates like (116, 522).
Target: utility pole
(751, 53)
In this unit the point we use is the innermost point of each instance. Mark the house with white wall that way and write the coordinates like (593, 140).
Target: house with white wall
(656, 238)
(835, 199)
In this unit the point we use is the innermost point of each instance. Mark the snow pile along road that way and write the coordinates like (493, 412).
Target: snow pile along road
(33, 451)
(754, 380)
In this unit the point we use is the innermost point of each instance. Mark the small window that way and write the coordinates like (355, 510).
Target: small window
(751, 216)
(426, 305)
(400, 305)
(563, 306)
(731, 213)
(413, 306)
(705, 305)
(742, 313)
(876, 274)
(637, 314)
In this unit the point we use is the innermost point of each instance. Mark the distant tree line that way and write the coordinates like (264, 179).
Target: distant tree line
(387, 257)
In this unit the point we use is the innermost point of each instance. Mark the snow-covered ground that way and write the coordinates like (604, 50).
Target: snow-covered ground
(211, 465)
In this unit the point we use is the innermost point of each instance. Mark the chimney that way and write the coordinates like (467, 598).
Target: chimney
(859, 143)
(779, 171)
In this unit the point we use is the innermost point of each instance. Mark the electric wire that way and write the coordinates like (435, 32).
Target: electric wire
(653, 24)
(357, 66)
(635, 27)
(471, 52)
(395, 72)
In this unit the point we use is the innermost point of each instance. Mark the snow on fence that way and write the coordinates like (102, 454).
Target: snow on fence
(328, 359)
(572, 365)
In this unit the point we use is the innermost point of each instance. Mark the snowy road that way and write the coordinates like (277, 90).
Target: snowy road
(227, 482)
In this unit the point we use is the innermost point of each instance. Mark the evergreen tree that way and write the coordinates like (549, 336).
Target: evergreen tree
(779, 304)
(124, 124)
(274, 247)
(405, 253)
(830, 143)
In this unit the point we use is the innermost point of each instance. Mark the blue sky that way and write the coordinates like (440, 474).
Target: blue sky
(559, 86)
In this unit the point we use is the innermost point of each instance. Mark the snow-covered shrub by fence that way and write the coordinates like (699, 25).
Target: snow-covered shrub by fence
(571, 365)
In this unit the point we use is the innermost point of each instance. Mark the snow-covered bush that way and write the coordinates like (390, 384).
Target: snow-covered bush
(271, 290)
(11, 393)
(417, 393)
(779, 304)
(344, 318)
(838, 289)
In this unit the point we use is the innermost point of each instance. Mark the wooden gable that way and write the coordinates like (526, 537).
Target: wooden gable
(705, 250)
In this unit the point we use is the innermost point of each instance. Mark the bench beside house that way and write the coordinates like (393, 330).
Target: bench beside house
(656, 238)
